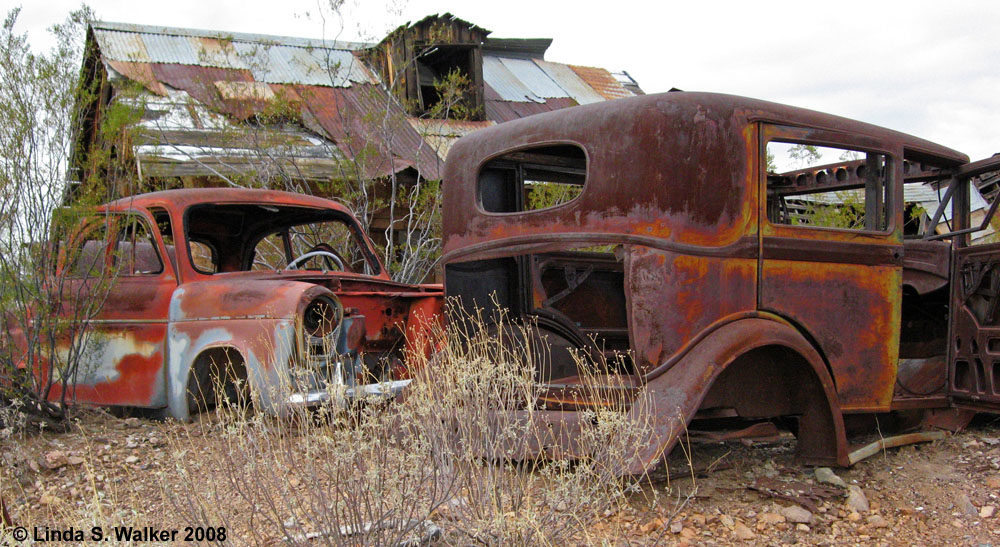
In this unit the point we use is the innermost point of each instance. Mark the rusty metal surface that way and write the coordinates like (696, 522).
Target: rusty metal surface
(725, 311)
(500, 110)
(602, 82)
(271, 59)
(155, 328)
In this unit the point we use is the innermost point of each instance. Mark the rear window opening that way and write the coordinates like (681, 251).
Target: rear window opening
(819, 186)
(532, 179)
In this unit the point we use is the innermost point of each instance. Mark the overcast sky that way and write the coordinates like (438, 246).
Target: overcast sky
(931, 69)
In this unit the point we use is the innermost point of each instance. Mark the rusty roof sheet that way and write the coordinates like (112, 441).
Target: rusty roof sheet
(270, 59)
(500, 110)
(602, 81)
(569, 81)
(344, 114)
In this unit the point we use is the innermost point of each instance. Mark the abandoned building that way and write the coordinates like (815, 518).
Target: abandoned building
(227, 109)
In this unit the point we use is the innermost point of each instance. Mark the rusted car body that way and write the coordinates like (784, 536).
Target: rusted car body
(679, 255)
(277, 292)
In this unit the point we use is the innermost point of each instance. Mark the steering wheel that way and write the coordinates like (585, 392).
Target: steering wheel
(294, 264)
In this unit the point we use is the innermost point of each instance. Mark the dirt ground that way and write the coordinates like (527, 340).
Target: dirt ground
(111, 470)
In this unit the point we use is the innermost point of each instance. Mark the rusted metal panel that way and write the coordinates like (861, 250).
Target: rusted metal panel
(344, 113)
(602, 81)
(504, 111)
(199, 82)
(138, 72)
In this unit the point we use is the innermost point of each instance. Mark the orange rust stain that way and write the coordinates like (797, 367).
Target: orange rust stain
(853, 313)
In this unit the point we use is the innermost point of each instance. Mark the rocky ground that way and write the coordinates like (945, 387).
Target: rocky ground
(111, 470)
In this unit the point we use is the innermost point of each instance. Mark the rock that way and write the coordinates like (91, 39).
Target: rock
(877, 521)
(990, 440)
(727, 521)
(741, 531)
(987, 511)
(687, 533)
(993, 482)
(132, 423)
(49, 500)
(801, 527)
(856, 499)
(74, 460)
(652, 526)
(770, 518)
(965, 506)
(55, 459)
(826, 475)
(132, 459)
(676, 527)
(294, 483)
(854, 516)
(562, 507)
(796, 514)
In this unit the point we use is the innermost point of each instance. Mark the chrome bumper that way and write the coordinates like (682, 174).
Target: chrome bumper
(385, 390)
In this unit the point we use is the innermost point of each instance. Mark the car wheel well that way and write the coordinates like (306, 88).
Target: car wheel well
(776, 381)
(217, 375)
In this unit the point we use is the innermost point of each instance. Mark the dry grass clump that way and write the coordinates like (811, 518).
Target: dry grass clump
(465, 449)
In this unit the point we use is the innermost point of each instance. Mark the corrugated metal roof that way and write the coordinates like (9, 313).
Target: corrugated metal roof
(344, 113)
(534, 78)
(570, 82)
(602, 82)
(122, 46)
(500, 111)
(269, 61)
(231, 36)
(442, 134)
(505, 83)
(295, 65)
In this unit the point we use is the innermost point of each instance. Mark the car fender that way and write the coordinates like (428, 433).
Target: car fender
(670, 400)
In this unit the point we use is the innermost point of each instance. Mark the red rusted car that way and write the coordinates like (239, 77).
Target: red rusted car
(737, 259)
(275, 295)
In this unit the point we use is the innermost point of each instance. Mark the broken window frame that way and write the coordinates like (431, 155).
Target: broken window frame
(892, 184)
(520, 168)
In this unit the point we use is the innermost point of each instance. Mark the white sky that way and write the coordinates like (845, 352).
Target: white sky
(929, 68)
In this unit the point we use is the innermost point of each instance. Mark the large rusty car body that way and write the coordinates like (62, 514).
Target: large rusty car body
(679, 255)
(279, 292)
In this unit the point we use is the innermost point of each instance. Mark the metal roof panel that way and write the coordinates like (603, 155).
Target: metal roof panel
(602, 81)
(534, 78)
(122, 46)
(567, 79)
(170, 49)
(505, 83)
